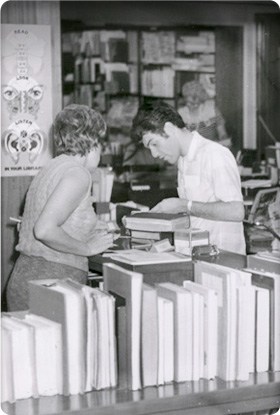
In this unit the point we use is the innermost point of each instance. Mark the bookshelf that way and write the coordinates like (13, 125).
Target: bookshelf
(115, 69)
(260, 392)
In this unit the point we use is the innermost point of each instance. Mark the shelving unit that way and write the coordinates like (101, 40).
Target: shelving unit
(261, 392)
(115, 70)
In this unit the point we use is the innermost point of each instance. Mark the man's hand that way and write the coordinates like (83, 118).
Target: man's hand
(171, 205)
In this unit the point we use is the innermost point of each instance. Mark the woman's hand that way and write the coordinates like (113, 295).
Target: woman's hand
(99, 243)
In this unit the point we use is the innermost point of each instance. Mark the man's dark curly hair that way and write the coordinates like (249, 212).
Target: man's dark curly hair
(151, 117)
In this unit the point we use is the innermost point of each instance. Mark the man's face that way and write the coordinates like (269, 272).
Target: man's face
(163, 147)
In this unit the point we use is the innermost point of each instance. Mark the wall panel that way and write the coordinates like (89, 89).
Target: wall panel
(13, 189)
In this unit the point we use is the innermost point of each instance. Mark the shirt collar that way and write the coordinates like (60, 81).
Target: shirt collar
(191, 154)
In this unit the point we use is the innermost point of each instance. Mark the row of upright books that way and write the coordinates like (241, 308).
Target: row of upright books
(64, 343)
(75, 338)
(122, 46)
(114, 77)
(110, 45)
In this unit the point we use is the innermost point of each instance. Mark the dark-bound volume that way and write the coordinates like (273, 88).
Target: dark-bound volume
(118, 50)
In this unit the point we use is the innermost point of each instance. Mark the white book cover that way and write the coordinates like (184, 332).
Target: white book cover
(210, 302)
(225, 281)
(262, 329)
(166, 341)
(183, 329)
(22, 358)
(48, 354)
(245, 332)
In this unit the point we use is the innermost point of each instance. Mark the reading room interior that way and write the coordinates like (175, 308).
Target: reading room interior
(140, 207)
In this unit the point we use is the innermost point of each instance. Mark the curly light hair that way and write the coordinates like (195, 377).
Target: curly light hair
(78, 130)
(194, 89)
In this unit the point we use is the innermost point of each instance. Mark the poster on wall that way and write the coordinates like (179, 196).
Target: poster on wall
(26, 101)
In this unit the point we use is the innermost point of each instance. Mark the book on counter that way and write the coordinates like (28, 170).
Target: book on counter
(186, 239)
(138, 257)
(156, 222)
(151, 235)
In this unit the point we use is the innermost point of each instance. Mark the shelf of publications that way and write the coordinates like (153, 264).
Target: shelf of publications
(211, 397)
(261, 392)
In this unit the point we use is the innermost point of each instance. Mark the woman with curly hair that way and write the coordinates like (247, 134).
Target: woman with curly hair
(201, 114)
(59, 228)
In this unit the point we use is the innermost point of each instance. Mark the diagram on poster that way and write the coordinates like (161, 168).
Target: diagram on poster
(26, 99)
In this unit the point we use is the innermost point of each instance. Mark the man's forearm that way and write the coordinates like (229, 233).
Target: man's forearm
(219, 211)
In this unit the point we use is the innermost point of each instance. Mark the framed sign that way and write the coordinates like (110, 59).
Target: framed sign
(26, 99)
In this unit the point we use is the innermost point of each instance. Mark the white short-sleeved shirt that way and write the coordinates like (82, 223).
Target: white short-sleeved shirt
(208, 173)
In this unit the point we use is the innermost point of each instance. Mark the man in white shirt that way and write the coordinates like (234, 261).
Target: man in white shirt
(209, 185)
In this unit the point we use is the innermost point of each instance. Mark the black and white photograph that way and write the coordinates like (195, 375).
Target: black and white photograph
(140, 207)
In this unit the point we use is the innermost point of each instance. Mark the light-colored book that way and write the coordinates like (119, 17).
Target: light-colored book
(262, 329)
(210, 300)
(198, 332)
(100, 337)
(149, 336)
(7, 391)
(245, 332)
(165, 341)
(21, 374)
(105, 351)
(139, 257)
(128, 285)
(225, 281)
(183, 329)
(55, 300)
(47, 354)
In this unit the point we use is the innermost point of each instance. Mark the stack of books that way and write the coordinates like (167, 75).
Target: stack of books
(151, 226)
(186, 239)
